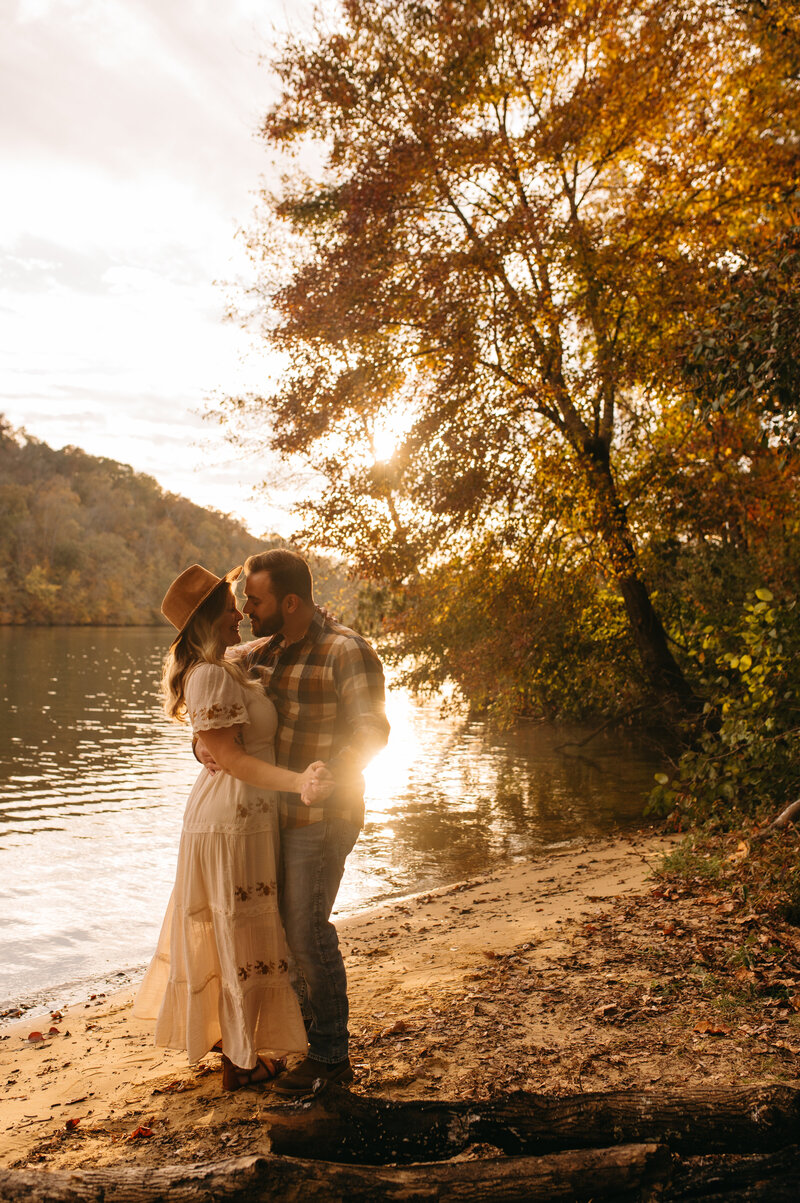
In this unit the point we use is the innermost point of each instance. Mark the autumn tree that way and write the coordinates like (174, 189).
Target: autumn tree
(517, 214)
(744, 357)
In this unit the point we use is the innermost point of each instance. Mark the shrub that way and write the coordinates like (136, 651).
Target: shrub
(745, 760)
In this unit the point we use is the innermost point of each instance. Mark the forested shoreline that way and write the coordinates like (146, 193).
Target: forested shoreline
(88, 541)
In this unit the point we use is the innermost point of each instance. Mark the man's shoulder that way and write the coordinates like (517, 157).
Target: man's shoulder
(340, 638)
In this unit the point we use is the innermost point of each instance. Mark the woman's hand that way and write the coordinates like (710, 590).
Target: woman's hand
(316, 784)
(202, 754)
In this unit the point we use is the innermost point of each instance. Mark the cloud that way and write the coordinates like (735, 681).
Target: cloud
(129, 161)
(144, 88)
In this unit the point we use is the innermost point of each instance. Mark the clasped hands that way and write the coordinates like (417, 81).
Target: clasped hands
(317, 784)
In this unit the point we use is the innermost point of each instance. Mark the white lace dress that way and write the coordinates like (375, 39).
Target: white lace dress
(220, 969)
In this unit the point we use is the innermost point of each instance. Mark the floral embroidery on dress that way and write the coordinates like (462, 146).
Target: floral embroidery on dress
(263, 806)
(265, 888)
(262, 968)
(217, 711)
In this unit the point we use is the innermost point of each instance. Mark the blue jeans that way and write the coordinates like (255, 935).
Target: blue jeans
(312, 864)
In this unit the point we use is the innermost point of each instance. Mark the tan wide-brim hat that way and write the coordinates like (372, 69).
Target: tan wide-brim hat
(188, 591)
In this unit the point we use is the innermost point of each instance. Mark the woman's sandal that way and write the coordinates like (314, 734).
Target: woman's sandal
(264, 1070)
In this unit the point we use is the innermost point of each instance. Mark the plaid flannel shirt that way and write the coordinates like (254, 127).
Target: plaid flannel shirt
(328, 691)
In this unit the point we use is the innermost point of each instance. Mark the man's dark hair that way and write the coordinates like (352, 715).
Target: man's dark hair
(287, 569)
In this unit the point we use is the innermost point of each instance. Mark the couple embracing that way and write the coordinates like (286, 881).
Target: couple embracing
(248, 961)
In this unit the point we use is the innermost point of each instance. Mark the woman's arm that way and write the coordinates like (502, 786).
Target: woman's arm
(226, 745)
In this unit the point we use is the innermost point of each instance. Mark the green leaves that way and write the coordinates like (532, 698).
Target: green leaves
(746, 759)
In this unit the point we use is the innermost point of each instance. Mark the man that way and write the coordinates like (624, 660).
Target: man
(327, 686)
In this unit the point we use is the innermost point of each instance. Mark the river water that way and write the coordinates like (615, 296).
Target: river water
(93, 781)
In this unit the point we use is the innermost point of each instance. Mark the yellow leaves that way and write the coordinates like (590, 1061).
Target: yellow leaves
(741, 853)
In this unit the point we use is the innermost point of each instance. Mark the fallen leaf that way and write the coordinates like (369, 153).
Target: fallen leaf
(707, 1027)
(790, 1048)
(396, 1029)
(742, 851)
(176, 1087)
(140, 1133)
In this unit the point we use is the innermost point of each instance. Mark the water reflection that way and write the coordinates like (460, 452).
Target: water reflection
(93, 781)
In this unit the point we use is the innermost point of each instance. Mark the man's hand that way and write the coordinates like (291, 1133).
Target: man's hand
(318, 786)
(204, 756)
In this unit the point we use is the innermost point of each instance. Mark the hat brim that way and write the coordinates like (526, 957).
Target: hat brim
(228, 579)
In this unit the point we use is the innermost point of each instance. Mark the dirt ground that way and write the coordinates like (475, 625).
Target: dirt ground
(580, 972)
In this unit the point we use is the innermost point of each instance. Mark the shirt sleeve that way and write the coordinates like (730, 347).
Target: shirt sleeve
(214, 699)
(362, 697)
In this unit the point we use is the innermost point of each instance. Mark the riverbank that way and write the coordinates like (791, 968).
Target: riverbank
(575, 972)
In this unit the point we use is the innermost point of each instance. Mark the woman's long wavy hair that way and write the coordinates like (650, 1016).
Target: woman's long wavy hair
(198, 643)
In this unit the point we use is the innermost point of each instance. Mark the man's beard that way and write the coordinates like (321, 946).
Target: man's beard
(266, 626)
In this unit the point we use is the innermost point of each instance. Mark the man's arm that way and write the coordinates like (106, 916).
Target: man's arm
(362, 700)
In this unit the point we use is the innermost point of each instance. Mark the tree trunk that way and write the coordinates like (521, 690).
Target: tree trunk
(771, 1177)
(345, 1127)
(611, 521)
(626, 1145)
(625, 1172)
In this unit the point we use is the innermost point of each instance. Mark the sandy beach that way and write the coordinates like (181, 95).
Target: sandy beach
(557, 975)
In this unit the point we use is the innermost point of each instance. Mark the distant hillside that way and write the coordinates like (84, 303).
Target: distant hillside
(85, 540)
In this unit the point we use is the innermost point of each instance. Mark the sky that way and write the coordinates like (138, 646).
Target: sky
(129, 161)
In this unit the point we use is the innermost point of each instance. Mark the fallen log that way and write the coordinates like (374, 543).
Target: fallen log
(772, 1177)
(339, 1126)
(702, 1144)
(625, 1172)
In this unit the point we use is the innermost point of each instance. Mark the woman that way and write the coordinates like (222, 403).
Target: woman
(220, 969)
